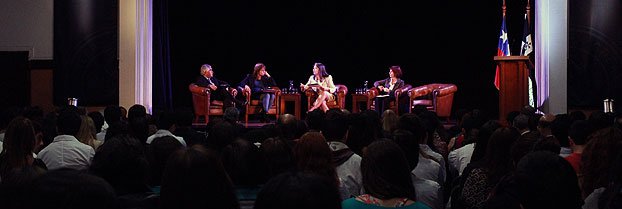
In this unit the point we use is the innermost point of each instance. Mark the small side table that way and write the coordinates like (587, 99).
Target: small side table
(290, 97)
(359, 97)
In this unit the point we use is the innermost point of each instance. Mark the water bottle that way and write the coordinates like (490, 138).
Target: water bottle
(291, 89)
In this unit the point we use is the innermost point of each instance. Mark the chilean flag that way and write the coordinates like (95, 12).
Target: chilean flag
(503, 48)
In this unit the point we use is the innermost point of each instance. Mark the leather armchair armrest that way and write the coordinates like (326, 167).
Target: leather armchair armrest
(342, 90)
(402, 90)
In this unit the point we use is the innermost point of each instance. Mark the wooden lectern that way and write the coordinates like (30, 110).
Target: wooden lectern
(513, 84)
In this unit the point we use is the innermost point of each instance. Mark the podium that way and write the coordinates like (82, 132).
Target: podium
(513, 84)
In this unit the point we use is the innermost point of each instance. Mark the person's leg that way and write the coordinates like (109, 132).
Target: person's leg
(265, 102)
(379, 105)
(321, 98)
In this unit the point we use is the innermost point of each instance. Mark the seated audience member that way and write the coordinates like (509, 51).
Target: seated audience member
(598, 155)
(121, 161)
(610, 196)
(16, 186)
(246, 167)
(315, 120)
(218, 88)
(70, 189)
(482, 176)
(577, 137)
(431, 164)
(279, 156)
(559, 129)
(301, 190)
(66, 151)
(386, 179)
(195, 178)
(312, 154)
(157, 154)
(389, 122)
(98, 120)
(183, 128)
(19, 145)
(112, 115)
(87, 134)
(428, 192)
(166, 120)
(347, 163)
(546, 180)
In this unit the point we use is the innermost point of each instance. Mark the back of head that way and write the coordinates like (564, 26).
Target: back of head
(315, 119)
(278, 154)
(521, 122)
(98, 120)
(559, 129)
(69, 189)
(112, 114)
(287, 126)
(600, 150)
(157, 154)
(497, 159)
(122, 162)
(412, 123)
(165, 120)
(546, 180)
(136, 110)
(389, 120)
(220, 134)
(195, 178)
(600, 119)
(385, 171)
(300, 190)
(244, 163)
(579, 131)
(19, 142)
(231, 114)
(68, 121)
(335, 125)
(510, 117)
(312, 154)
(409, 145)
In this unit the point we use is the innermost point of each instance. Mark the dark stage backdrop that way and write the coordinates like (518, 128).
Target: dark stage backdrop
(594, 53)
(433, 41)
(86, 52)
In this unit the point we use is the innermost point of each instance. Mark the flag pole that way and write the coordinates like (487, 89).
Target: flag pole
(503, 8)
(528, 7)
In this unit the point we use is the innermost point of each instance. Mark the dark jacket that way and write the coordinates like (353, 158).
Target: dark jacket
(250, 81)
(387, 82)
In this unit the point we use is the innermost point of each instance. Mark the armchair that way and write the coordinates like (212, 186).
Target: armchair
(202, 105)
(437, 97)
(338, 102)
(394, 105)
(254, 105)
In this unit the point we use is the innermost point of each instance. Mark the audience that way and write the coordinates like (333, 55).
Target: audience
(66, 151)
(301, 190)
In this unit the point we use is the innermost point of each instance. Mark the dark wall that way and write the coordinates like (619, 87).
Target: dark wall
(433, 41)
(594, 53)
(86, 52)
(15, 76)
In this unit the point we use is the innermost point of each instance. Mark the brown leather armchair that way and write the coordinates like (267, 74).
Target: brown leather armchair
(393, 105)
(339, 102)
(254, 105)
(437, 97)
(202, 105)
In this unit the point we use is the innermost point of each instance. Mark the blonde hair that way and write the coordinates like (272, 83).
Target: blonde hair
(86, 133)
(389, 120)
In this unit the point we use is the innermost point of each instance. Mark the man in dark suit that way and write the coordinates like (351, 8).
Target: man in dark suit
(219, 89)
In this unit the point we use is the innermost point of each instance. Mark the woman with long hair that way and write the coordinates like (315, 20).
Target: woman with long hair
(18, 147)
(322, 83)
(257, 83)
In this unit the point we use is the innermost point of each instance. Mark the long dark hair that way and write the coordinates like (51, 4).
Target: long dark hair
(313, 155)
(322, 69)
(599, 153)
(385, 171)
(257, 68)
(19, 143)
(497, 160)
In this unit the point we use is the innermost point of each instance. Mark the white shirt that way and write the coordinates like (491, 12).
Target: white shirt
(67, 152)
(428, 192)
(565, 152)
(101, 136)
(428, 169)
(438, 157)
(161, 133)
(349, 172)
(460, 158)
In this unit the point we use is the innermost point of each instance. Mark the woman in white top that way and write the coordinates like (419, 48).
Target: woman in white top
(322, 83)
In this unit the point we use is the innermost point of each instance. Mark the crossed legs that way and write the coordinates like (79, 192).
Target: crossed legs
(320, 102)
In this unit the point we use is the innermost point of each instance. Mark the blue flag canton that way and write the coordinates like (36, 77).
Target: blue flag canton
(504, 46)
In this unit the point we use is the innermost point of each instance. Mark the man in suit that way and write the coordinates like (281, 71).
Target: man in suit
(219, 89)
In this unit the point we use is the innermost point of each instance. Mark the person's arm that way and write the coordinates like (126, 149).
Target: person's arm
(330, 84)
(304, 86)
